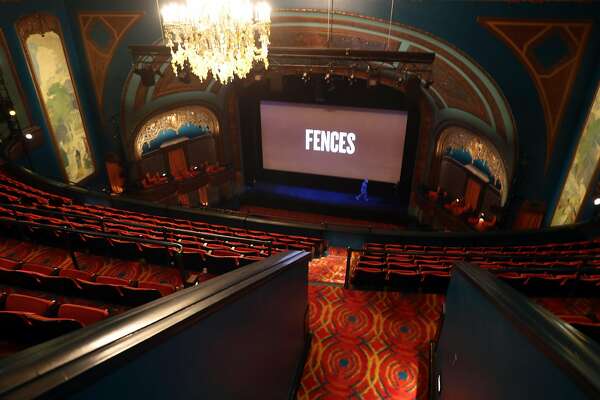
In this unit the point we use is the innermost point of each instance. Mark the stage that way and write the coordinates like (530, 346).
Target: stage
(386, 210)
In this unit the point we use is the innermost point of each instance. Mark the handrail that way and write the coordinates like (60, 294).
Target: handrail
(563, 344)
(39, 369)
(136, 239)
(162, 229)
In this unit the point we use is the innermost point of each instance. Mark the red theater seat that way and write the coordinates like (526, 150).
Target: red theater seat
(408, 266)
(404, 278)
(369, 275)
(38, 268)
(25, 303)
(76, 274)
(85, 315)
(164, 289)
(111, 280)
(6, 263)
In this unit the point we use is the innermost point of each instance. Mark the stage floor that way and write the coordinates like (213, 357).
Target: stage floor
(327, 203)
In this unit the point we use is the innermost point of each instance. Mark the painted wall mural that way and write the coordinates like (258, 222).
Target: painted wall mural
(584, 166)
(42, 42)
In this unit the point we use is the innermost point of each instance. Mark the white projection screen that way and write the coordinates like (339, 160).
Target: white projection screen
(343, 142)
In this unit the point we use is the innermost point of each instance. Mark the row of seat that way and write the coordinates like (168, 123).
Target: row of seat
(155, 226)
(592, 244)
(542, 283)
(78, 283)
(31, 319)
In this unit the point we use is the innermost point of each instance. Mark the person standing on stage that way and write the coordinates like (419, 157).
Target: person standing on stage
(363, 195)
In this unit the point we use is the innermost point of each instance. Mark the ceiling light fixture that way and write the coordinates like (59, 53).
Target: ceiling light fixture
(222, 37)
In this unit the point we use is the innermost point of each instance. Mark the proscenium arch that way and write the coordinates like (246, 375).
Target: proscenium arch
(495, 106)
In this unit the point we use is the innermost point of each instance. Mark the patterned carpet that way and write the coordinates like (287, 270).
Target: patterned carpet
(329, 269)
(366, 344)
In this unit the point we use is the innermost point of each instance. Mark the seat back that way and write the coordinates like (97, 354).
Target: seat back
(111, 280)
(84, 314)
(21, 302)
(76, 274)
(38, 268)
(7, 263)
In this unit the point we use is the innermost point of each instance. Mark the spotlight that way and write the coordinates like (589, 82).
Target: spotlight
(195, 168)
(12, 113)
(163, 174)
(597, 201)
(28, 136)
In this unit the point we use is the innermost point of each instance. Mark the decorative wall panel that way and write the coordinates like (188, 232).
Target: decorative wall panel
(41, 38)
(551, 51)
(584, 167)
(102, 33)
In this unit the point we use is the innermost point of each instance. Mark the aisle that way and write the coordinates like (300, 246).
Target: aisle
(366, 344)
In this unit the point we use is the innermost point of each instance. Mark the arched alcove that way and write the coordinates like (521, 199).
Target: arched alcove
(471, 149)
(174, 126)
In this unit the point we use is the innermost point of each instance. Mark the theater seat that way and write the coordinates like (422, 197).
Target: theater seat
(25, 303)
(84, 314)
(39, 268)
(76, 274)
(111, 280)
(136, 296)
(7, 263)
(164, 289)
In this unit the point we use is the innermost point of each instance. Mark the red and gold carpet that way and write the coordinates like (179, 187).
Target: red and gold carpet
(366, 344)
(329, 269)
(369, 345)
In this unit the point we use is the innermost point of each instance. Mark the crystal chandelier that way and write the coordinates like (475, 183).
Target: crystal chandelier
(224, 37)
